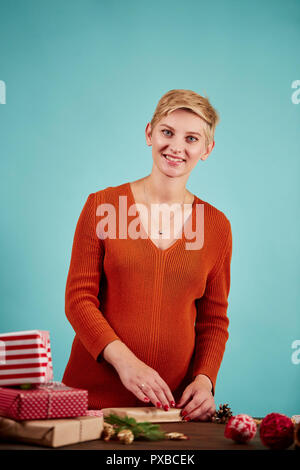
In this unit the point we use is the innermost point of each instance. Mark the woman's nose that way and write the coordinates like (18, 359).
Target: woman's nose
(177, 150)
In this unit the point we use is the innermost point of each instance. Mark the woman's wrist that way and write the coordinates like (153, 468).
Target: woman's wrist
(203, 379)
(116, 353)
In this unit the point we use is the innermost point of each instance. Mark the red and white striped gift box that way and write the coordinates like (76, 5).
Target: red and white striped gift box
(25, 357)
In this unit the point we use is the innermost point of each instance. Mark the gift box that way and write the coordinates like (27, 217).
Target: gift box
(146, 413)
(52, 432)
(25, 357)
(44, 401)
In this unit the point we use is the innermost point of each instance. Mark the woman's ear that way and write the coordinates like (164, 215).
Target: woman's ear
(148, 134)
(209, 149)
(210, 146)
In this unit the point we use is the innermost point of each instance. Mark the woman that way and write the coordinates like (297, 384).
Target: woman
(150, 309)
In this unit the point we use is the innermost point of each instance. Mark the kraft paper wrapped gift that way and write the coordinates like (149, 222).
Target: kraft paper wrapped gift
(52, 432)
(146, 413)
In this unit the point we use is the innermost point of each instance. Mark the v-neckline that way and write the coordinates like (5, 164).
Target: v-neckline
(177, 241)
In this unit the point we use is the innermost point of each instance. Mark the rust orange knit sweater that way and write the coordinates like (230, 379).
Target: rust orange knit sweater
(168, 306)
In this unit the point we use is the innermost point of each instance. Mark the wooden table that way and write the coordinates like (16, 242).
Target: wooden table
(203, 436)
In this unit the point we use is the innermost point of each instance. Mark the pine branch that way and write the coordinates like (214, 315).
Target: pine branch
(142, 430)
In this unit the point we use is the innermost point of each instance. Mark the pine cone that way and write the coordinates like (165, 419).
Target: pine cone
(258, 421)
(222, 415)
(125, 436)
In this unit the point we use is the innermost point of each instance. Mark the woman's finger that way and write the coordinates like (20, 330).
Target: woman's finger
(168, 393)
(160, 393)
(185, 399)
(197, 399)
(205, 414)
(211, 412)
(196, 410)
(150, 393)
(140, 395)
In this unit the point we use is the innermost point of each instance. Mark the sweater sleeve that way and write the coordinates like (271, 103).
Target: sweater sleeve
(211, 321)
(82, 287)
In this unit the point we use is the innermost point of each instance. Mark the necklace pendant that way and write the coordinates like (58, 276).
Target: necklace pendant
(160, 232)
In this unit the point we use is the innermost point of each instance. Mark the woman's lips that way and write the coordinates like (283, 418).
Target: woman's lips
(172, 162)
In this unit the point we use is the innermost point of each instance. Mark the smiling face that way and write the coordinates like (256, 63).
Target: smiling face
(179, 135)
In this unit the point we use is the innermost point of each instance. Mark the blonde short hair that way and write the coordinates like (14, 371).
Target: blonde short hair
(192, 102)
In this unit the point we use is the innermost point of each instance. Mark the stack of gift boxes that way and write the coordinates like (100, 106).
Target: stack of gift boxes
(34, 408)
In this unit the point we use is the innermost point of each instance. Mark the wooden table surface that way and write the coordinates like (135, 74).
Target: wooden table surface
(203, 435)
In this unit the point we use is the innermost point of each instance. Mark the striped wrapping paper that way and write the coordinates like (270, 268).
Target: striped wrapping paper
(25, 357)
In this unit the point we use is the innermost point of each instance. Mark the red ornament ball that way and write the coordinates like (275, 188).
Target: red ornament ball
(240, 428)
(277, 431)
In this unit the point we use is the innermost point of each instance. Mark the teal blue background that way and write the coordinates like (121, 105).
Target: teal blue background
(83, 79)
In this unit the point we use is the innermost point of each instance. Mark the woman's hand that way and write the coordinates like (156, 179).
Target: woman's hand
(146, 384)
(143, 381)
(197, 400)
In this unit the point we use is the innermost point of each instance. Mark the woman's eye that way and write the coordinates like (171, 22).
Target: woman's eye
(167, 130)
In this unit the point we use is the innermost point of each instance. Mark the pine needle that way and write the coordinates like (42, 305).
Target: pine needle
(143, 430)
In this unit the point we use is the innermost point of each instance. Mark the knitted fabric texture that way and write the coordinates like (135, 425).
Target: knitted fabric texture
(168, 306)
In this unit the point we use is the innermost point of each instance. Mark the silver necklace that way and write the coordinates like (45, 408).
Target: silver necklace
(159, 231)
